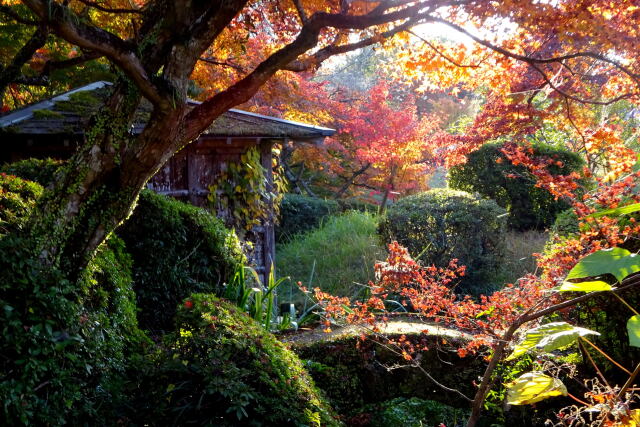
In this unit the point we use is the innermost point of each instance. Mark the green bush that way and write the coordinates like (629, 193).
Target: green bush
(415, 412)
(41, 171)
(439, 225)
(299, 214)
(17, 199)
(334, 257)
(566, 223)
(221, 368)
(62, 344)
(177, 249)
(491, 174)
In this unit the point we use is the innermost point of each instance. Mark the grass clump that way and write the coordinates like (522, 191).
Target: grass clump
(335, 257)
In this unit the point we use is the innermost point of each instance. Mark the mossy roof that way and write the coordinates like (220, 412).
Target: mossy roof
(68, 113)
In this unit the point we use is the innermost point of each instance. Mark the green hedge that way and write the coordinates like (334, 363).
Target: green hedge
(439, 225)
(177, 249)
(221, 368)
(491, 174)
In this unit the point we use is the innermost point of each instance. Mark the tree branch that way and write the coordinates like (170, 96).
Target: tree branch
(15, 16)
(66, 25)
(534, 61)
(98, 6)
(10, 73)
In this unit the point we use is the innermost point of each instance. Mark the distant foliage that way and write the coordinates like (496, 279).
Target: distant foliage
(17, 199)
(177, 249)
(41, 171)
(440, 225)
(302, 213)
(566, 223)
(489, 172)
(221, 368)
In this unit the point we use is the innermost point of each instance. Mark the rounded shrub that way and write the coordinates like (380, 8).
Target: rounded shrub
(177, 249)
(221, 368)
(299, 214)
(488, 172)
(439, 225)
(41, 171)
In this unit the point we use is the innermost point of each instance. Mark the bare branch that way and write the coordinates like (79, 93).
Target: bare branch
(301, 13)
(214, 61)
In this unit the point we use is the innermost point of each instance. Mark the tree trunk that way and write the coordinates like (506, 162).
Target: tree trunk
(385, 197)
(98, 187)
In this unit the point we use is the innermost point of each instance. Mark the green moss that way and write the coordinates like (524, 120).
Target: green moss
(84, 102)
(221, 368)
(47, 114)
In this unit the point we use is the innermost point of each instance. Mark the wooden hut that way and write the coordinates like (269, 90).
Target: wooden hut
(55, 127)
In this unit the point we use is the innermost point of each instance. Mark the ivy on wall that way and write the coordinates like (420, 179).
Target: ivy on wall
(241, 192)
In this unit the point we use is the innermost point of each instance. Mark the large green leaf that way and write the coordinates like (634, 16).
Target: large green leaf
(533, 387)
(618, 211)
(633, 328)
(590, 286)
(549, 337)
(616, 261)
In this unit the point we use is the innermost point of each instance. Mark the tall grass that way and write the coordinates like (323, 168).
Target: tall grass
(338, 257)
(520, 247)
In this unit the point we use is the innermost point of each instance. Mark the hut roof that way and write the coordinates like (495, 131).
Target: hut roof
(68, 113)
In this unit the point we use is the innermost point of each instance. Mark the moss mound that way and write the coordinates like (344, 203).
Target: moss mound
(221, 368)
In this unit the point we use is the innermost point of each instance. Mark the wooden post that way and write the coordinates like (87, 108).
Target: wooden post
(192, 175)
(269, 241)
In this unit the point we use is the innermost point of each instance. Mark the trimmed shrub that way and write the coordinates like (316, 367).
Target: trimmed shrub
(221, 368)
(17, 199)
(299, 214)
(440, 225)
(177, 249)
(334, 257)
(41, 171)
(491, 174)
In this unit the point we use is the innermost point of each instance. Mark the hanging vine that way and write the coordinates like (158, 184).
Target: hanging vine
(242, 195)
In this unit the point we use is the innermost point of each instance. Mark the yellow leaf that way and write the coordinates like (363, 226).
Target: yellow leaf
(533, 387)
